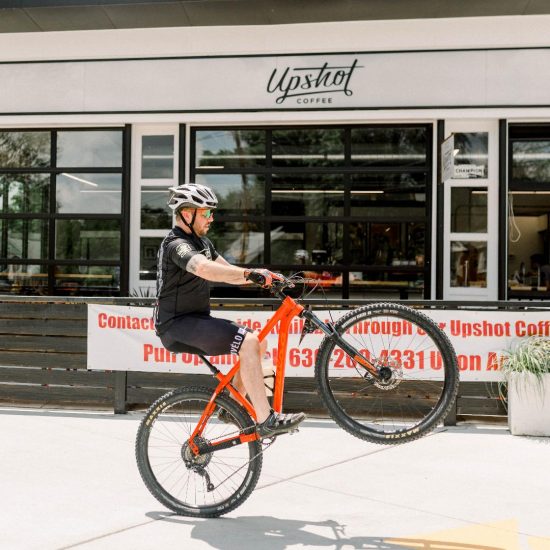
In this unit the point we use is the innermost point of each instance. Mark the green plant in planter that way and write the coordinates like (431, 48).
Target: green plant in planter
(527, 356)
(530, 355)
(526, 368)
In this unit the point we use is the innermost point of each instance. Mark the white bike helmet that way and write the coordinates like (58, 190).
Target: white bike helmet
(192, 195)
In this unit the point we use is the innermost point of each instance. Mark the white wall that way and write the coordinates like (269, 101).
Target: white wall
(469, 32)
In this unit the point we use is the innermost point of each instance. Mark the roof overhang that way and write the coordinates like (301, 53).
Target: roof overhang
(17, 16)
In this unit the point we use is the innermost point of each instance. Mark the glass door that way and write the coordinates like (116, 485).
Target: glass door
(154, 170)
(471, 212)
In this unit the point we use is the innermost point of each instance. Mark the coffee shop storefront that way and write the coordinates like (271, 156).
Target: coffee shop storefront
(416, 173)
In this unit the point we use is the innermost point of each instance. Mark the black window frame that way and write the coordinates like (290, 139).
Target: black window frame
(53, 170)
(347, 171)
(538, 131)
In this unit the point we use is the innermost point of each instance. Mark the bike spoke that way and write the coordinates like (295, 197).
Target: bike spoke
(190, 484)
(416, 373)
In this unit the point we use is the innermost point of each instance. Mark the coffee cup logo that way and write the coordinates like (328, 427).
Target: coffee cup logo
(303, 82)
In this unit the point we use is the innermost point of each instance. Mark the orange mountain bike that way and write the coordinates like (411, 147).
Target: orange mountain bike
(386, 373)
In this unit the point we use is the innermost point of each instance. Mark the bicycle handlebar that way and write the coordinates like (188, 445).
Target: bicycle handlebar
(282, 283)
(277, 282)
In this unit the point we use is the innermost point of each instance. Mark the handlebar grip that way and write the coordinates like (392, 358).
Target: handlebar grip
(256, 277)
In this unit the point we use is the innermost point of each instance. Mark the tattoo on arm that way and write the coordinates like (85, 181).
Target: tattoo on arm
(193, 263)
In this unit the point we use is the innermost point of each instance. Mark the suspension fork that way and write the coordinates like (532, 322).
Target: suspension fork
(331, 332)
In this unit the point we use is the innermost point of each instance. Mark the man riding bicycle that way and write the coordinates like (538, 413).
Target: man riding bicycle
(187, 260)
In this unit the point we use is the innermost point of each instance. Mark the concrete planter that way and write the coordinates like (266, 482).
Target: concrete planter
(529, 404)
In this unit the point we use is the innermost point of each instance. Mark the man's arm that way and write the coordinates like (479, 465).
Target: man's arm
(220, 259)
(217, 271)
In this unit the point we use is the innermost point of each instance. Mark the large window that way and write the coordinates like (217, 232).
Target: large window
(347, 206)
(529, 212)
(61, 211)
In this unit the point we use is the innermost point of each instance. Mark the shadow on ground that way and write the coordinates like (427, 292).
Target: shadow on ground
(270, 533)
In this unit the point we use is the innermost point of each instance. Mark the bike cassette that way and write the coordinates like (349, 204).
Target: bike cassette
(193, 461)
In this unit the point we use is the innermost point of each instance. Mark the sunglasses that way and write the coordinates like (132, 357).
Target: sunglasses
(206, 213)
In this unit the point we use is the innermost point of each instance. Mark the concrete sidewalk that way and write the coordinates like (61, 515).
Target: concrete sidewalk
(69, 480)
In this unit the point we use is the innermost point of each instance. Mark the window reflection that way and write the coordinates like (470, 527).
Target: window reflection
(306, 243)
(388, 196)
(24, 193)
(23, 278)
(24, 149)
(471, 155)
(86, 280)
(89, 148)
(469, 264)
(469, 210)
(26, 239)
(155, 213)
(241, 194)
(306, 184)
(531, 161)
(148, 249)
(89, 193)
(29, 217)
(230, 148)
(308, 195)
(388, 244)
(239, 242)
(383, 284)
(308, 147)
(388, 146)
(87, 239)
(157, 157)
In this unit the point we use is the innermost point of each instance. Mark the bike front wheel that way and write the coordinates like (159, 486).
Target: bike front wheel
(420, 374)
(211, 484)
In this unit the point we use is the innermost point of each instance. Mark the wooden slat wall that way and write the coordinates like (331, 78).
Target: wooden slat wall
(43, 357)
(43, 362)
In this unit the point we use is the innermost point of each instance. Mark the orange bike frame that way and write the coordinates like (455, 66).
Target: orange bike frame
(283, 315)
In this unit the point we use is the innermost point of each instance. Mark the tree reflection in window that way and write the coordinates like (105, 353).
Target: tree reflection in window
(230, 148)
(24, 149)
(531, 161)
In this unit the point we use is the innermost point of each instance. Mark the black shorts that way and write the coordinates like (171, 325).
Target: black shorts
(203, 334)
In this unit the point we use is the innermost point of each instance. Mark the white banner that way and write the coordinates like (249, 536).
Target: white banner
(123, 338)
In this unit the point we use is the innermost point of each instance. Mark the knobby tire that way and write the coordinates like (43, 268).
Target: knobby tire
(161, 451)
(424, 374)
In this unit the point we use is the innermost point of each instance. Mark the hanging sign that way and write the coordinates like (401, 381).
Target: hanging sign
(447, 158)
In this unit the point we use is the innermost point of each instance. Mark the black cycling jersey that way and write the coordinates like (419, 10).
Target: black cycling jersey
(179, 292)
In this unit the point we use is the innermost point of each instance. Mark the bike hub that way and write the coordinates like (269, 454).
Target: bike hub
(390, 374)
(190, 459)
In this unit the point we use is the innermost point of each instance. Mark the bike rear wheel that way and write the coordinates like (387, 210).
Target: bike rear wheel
(169, 469)
(420, 364)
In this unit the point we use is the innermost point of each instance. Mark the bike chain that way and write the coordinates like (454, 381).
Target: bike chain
(265, 442)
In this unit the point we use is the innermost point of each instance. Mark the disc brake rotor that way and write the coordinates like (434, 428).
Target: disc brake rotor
(391, 373)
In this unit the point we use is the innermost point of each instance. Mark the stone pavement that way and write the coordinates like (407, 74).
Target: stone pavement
(69, 480)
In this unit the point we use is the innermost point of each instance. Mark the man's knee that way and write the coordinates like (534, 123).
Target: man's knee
(251, 344)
